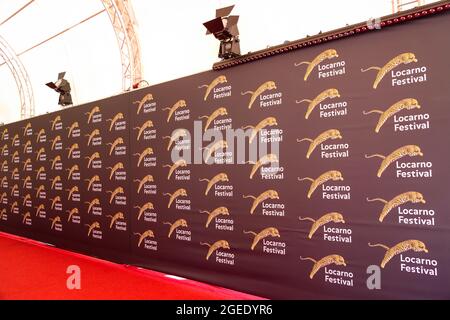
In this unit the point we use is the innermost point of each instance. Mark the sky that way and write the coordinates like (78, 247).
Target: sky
(172, 39)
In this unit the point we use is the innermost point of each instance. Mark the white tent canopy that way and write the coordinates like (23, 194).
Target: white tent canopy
(171, 34)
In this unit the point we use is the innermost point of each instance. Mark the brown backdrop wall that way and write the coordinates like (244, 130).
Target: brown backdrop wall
(73, 178)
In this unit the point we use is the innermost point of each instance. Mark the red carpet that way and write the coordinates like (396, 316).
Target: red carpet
(29, 270)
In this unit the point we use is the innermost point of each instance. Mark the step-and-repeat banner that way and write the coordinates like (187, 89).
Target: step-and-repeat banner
(321, 173)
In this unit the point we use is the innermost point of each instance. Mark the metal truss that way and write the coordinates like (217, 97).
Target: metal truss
(401, 5)
(21, 77)
(124, 24)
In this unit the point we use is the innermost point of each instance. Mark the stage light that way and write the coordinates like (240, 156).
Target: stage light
(141, 84)
(224, 28)
(62, 86)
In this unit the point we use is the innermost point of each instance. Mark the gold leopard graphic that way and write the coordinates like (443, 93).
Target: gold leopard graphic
(13, 189)
(13, 156)
(92, 227)
(4, 164)
(324, 262)
(26, 145)
(265, 160)
(55, 141)
(26, 128)
(115, 218)
(2, 213)
(74, 126)
(268, 232)
(177, 134)
(93, 157)
(91, 113)
(145, 153)
(327, 176)
(74, 147)
(26, 199)
(143, 182)
(330, 217)
(147, 98)
(177, 224)
(325, 55)
(114, 169)
(54, 181)
(410, 150)
(219, 145)
(92, 204)
(412, 197)
(54, 221)
(117, 191)
(55, 121)
(26, 181)
(71, 192)
(327, 94)
(39, 190)
(404, 58)
(40, 153)
(147, 125)
(4, 148)
(71, 171)
(414, 245)
(179, 164)
(212, 85)
(404, 104)
(91, 181)
(268, 122)
(15, 139)
(72, 213)
(14, 172)
(267, 86)
(56, 160)
(54, 202)
(269, 194)
(40, 134)
(221, 211)
(218, 113)
(26, 216)
(114, 120)
(222, 244)
(14, 206)
(180, 104)
(145, 207)
(143, 236)
(331, 134)
(39, 208)
(221, 177)
(26, 163)
(39, 172)
(175, 195)
(4, 133)
(92, 135)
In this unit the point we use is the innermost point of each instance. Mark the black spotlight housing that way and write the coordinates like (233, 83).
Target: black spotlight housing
(224, 28)
(62, 86)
